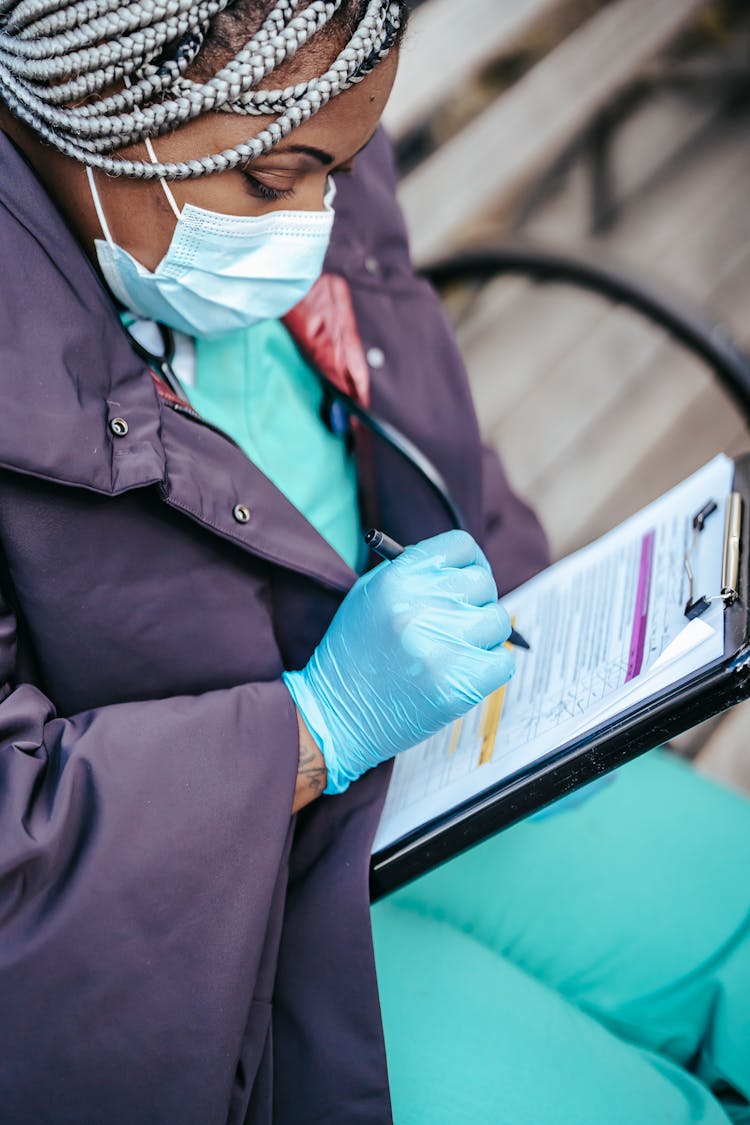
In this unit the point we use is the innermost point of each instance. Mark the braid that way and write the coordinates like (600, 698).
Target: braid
(54, 53)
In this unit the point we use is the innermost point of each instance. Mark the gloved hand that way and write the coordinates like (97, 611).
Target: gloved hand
(416, 643)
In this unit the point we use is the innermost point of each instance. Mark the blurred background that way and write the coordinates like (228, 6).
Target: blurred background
(609, 132)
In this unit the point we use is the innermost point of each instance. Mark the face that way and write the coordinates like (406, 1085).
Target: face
(291, 177)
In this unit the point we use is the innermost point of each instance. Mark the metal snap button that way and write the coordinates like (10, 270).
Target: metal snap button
(375, 357)
(119, 427)
(241, 513)
(372, 265)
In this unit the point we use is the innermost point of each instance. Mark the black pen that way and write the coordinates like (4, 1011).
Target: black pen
(388, 548)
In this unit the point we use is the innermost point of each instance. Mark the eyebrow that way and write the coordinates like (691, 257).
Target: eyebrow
(319, 154)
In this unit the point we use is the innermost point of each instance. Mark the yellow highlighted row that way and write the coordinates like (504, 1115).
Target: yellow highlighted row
(491, 715)
(455, 735)
(493, 710)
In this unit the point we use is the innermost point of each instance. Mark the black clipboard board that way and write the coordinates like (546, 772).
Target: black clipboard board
(648, 723)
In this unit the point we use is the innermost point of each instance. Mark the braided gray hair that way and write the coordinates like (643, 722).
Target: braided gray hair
(57, 52)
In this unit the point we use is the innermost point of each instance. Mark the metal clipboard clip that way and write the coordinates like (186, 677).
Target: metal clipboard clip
(730, 563)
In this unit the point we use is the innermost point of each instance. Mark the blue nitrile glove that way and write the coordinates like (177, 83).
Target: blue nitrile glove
(415, 644)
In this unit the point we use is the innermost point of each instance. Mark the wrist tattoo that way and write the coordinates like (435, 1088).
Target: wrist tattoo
(311, 769)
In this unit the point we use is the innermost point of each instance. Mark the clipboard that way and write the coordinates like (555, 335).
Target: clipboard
(688, 701)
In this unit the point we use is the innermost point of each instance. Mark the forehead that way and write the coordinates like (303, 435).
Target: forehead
(341, 127)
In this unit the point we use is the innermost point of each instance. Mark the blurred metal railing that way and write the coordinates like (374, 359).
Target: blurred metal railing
(692, 328)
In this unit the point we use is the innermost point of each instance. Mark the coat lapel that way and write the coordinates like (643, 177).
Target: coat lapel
(213, 482)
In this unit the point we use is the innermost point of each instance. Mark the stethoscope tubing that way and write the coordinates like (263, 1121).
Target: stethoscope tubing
(406, 448)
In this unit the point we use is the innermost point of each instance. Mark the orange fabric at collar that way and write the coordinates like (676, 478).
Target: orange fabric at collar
(324, 328)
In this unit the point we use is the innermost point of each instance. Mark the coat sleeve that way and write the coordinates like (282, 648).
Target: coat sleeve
(143, 852)
(514, 540)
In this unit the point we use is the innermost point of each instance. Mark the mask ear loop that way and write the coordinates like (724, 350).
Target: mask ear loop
(98, 206)
(165, 186)
(152, 157)
(329, 194)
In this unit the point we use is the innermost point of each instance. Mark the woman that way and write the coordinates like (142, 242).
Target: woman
(181, 668)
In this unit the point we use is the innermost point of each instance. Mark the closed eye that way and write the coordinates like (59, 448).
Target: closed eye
(260, 190)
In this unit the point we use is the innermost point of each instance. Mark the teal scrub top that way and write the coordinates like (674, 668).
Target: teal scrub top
(257, 387)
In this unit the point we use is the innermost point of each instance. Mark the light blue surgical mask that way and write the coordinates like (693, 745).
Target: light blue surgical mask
(221, 272)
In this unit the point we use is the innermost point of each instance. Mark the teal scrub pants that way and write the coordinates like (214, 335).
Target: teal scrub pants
(591, 968)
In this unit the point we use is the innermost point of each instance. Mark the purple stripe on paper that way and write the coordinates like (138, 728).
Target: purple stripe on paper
(640, 613)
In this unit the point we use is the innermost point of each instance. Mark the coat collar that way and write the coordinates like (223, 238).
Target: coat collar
(213, 482)
(66, 368)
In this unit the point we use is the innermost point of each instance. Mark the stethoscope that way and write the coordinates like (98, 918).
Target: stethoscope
(338, 409)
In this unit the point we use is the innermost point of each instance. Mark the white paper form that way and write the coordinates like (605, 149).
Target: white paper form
(598, 623)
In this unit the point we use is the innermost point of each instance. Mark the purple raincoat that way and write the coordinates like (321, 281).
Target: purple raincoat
(174, 948)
